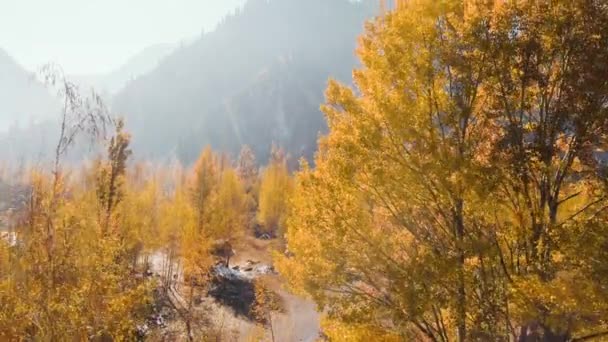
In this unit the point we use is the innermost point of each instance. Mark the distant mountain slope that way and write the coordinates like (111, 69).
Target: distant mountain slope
(258, 78)
(22, 98)
(141, 63)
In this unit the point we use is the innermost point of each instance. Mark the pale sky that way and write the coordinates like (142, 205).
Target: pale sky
(96, 36)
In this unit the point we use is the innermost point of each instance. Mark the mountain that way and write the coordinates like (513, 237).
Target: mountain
(141, 63)
(257, 79)
(28, 124)
(23, 100)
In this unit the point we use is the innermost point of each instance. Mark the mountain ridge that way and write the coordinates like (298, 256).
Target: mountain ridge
(137, 65)
(197, 95)
(24, 98)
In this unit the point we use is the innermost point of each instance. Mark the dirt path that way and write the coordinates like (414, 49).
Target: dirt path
(300, 321)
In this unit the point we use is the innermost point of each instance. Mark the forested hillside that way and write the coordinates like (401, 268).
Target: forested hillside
(258, 78)
(213, 91)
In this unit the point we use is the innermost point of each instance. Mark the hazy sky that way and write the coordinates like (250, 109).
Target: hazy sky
(93, 36)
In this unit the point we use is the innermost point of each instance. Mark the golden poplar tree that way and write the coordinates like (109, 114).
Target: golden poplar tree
(204, 183)
(548, 85)
(461, 177)
(229, 211)
(275, 187)
(383, 217)
(247, 170)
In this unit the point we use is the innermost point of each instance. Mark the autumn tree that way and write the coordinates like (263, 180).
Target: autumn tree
(549, 86)
(204, 183)
(187, 253)
(229, 211)
(382, 220)
(110, 182)
(113, 239)
(449, 198)
(275, 187)
(142, 232)
(247, 170)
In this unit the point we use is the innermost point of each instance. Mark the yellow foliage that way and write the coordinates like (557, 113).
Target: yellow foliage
(228, 207)
(275, 189)
(337, 331)
(456, 189)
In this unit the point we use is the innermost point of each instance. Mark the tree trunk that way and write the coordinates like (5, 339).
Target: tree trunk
(461, 309)
(461, 319)
(270, 324)
(189, 313)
